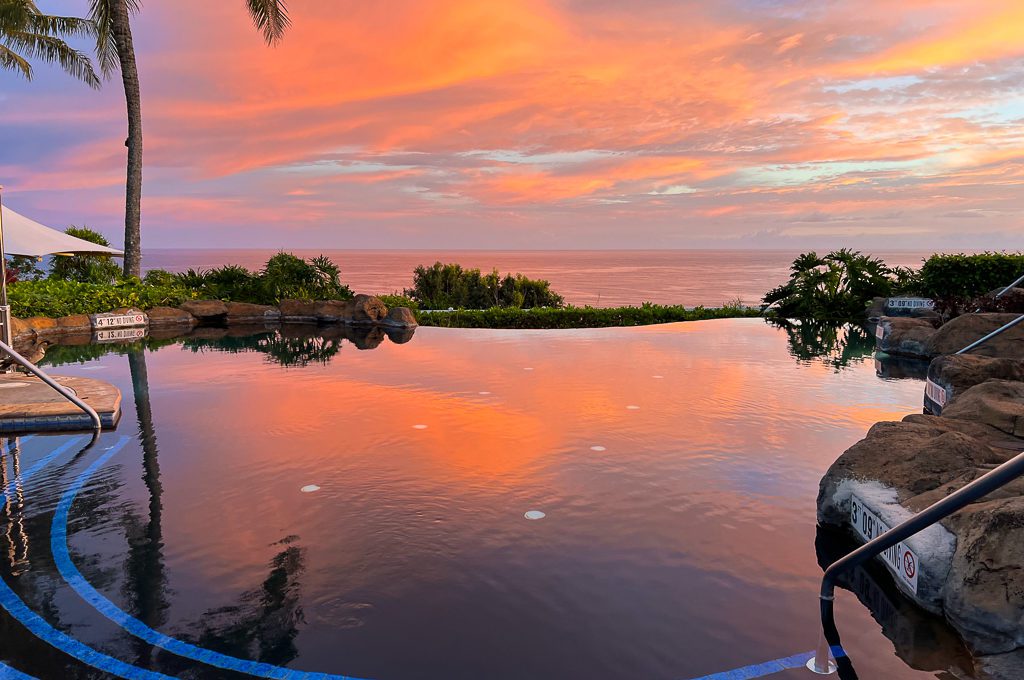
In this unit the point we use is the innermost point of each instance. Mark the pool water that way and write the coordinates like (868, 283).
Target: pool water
(289, 499)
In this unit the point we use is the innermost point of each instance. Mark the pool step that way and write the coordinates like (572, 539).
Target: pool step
(29, 405)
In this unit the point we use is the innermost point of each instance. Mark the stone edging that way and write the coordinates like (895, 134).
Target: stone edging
(362, 310)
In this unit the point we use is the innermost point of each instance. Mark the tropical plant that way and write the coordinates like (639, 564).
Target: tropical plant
(93, 268)
(26, 34)
(287, 276)
(115, 49)
(836, 286)
(441, 286)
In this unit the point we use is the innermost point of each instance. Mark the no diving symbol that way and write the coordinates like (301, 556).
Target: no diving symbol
(909, 565)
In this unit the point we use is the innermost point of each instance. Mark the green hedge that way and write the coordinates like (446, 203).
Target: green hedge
(54, 298)
(965, 276)
(576, 317)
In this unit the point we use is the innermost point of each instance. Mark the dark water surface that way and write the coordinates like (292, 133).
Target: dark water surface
(600, 278)
(677, 467)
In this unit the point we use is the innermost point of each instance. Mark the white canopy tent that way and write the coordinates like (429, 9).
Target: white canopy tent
(21, 236)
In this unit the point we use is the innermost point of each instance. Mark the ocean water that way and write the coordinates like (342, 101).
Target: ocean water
(600, 278)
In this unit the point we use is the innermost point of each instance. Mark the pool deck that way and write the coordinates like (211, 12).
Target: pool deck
(29, 405)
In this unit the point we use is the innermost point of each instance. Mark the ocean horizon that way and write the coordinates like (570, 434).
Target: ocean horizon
(599, 278)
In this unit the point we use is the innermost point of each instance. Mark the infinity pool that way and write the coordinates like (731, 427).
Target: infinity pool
(288, 500)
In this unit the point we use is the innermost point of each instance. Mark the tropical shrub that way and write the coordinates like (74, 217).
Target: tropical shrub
(957, 282)
(395, 300)
(85, 268)
(443, 286)
(287, 276)
(55, 297)
(836, 286)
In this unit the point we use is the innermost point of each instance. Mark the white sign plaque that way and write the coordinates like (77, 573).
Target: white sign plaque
(900, 559)
(119, 334)
(101, 321)
(935, 392)
(909, 303)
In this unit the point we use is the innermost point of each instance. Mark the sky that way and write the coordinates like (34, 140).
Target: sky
(536, 124)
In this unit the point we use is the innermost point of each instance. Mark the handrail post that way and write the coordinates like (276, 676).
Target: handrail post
(63, 391)
(982, 486)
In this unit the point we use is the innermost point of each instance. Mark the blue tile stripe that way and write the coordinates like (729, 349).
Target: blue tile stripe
(74, 578)
(760, 670)
(14, 605)
(8, 673)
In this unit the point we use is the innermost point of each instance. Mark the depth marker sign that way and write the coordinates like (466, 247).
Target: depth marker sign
(900, 559)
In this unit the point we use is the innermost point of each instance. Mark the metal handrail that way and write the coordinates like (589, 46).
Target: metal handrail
(1012, 285)
(982, 486)
(1004, 291)
(981, 341)
(63, 391)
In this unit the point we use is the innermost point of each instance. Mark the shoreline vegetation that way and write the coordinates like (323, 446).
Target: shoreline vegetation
(836, 287)
(841, 285)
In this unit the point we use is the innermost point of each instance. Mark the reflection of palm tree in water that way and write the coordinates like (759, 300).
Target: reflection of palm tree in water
(265, 622)
(146, 586)
(264, 625)
(14, 508)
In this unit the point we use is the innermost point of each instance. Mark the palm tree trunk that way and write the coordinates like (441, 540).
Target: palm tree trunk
(121, 31)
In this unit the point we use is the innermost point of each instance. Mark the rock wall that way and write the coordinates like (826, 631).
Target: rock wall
(971, 568)
(361, 310)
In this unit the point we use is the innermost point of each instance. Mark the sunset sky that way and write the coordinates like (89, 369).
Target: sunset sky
(544, 124)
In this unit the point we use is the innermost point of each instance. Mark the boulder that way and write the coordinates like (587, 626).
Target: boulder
(42, 325)
(76, 323)
(957, 373)
(965, 329)
(400, 317)
(904, 336)
(1012, 301)
(985, 594)
(164, 317)
(297, 310)
(876, 308)
(971, 564)
(333, 311)
(20, 330)
(206, 310)
(245, 312)
(368, 309)
(999, 403)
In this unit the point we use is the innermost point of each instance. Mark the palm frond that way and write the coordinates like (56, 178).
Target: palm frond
(270, 17)
(55, 51)
(12, 61)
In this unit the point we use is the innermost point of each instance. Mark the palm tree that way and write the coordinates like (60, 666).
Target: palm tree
(26, 33)
(114, 48)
